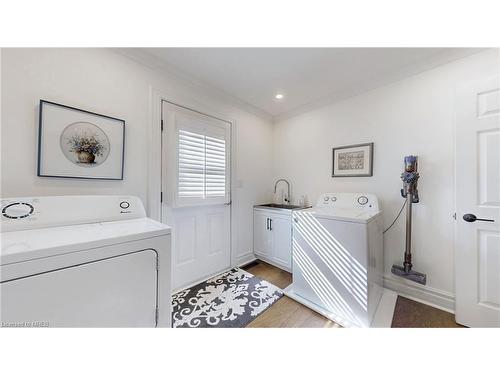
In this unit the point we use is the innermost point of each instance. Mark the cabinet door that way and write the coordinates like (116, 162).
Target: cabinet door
(261, 234)
(281, 232)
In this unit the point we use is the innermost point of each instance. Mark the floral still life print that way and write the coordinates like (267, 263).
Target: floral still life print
(230, 300)
(85, 144)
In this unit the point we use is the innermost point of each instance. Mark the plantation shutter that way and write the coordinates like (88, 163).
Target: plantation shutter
(202, 169)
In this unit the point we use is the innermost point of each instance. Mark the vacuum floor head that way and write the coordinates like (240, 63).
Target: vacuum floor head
(415, 276)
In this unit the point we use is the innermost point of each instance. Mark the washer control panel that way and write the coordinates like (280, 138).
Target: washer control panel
(348, 200)
(39, 212)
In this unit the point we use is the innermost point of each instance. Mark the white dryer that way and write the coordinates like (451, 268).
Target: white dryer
(83, 261)
(338, 260)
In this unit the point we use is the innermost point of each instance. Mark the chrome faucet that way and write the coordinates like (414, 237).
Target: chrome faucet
(287, 199)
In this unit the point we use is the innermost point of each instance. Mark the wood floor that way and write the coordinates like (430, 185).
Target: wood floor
(288, 313)
(412, 314)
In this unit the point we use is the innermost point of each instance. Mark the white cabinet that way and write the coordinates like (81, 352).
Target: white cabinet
(281, 233)
(272, 237)
(261, 234)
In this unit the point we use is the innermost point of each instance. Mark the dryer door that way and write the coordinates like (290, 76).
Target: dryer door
(115, 292)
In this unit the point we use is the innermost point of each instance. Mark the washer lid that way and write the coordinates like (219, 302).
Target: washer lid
(19, 246)
(342, 214)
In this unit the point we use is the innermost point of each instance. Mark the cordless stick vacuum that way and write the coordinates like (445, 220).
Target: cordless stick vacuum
(410, 193)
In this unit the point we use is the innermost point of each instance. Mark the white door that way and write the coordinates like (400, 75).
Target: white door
(477, 242)
(196, 192)
(281, 230)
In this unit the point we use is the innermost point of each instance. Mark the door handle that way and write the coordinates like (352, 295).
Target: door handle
(270, 224)
(470, 218)
(267, 223)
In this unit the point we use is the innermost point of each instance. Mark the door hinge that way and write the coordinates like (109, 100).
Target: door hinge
(161, 125)
(161, 197)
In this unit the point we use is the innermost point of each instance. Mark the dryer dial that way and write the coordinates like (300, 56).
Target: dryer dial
(17, 210)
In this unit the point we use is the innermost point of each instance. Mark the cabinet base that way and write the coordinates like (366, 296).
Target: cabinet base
(273, 263)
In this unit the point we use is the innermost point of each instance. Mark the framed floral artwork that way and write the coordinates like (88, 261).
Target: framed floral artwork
(74, 143)
(353, 161)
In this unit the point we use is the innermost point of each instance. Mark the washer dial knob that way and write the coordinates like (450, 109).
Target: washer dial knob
(362, 200)
(17, 210)
(124, 205)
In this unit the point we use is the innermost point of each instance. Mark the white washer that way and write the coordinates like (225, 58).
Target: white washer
(83, 261)
(338, 260)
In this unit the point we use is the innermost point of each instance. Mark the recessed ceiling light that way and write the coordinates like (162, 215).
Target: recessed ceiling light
(279, 96)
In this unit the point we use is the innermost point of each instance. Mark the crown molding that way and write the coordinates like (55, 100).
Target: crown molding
(411, 70)
(144, 58)
(141, 56)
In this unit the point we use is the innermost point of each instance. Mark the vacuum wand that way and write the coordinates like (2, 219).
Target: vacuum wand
(409, 191)
(407, 263)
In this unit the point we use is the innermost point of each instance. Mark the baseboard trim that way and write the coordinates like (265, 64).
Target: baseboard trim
(437, 298)
(245, 259)
(201, 280)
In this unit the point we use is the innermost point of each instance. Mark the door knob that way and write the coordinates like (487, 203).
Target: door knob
(471, 218)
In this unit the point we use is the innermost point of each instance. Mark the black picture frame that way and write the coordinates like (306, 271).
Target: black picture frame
(370, 145)
(40, 134)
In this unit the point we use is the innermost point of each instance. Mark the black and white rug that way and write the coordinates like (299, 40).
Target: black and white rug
(230, 300)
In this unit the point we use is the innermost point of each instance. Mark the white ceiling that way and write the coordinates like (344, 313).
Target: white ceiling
(306, 76)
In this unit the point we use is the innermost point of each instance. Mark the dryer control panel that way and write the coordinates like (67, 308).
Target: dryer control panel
(348, 201)
(41, 212)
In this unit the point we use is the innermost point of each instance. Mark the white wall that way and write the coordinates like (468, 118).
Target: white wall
(107, 82)
(413, 116)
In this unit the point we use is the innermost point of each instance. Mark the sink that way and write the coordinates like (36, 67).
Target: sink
(281, 206)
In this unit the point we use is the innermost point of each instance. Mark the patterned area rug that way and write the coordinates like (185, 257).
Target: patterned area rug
(229, 300)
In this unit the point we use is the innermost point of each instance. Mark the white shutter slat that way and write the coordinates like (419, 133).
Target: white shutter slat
(216, 164)
(187, 134)
(216, 153)
(200, 149)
